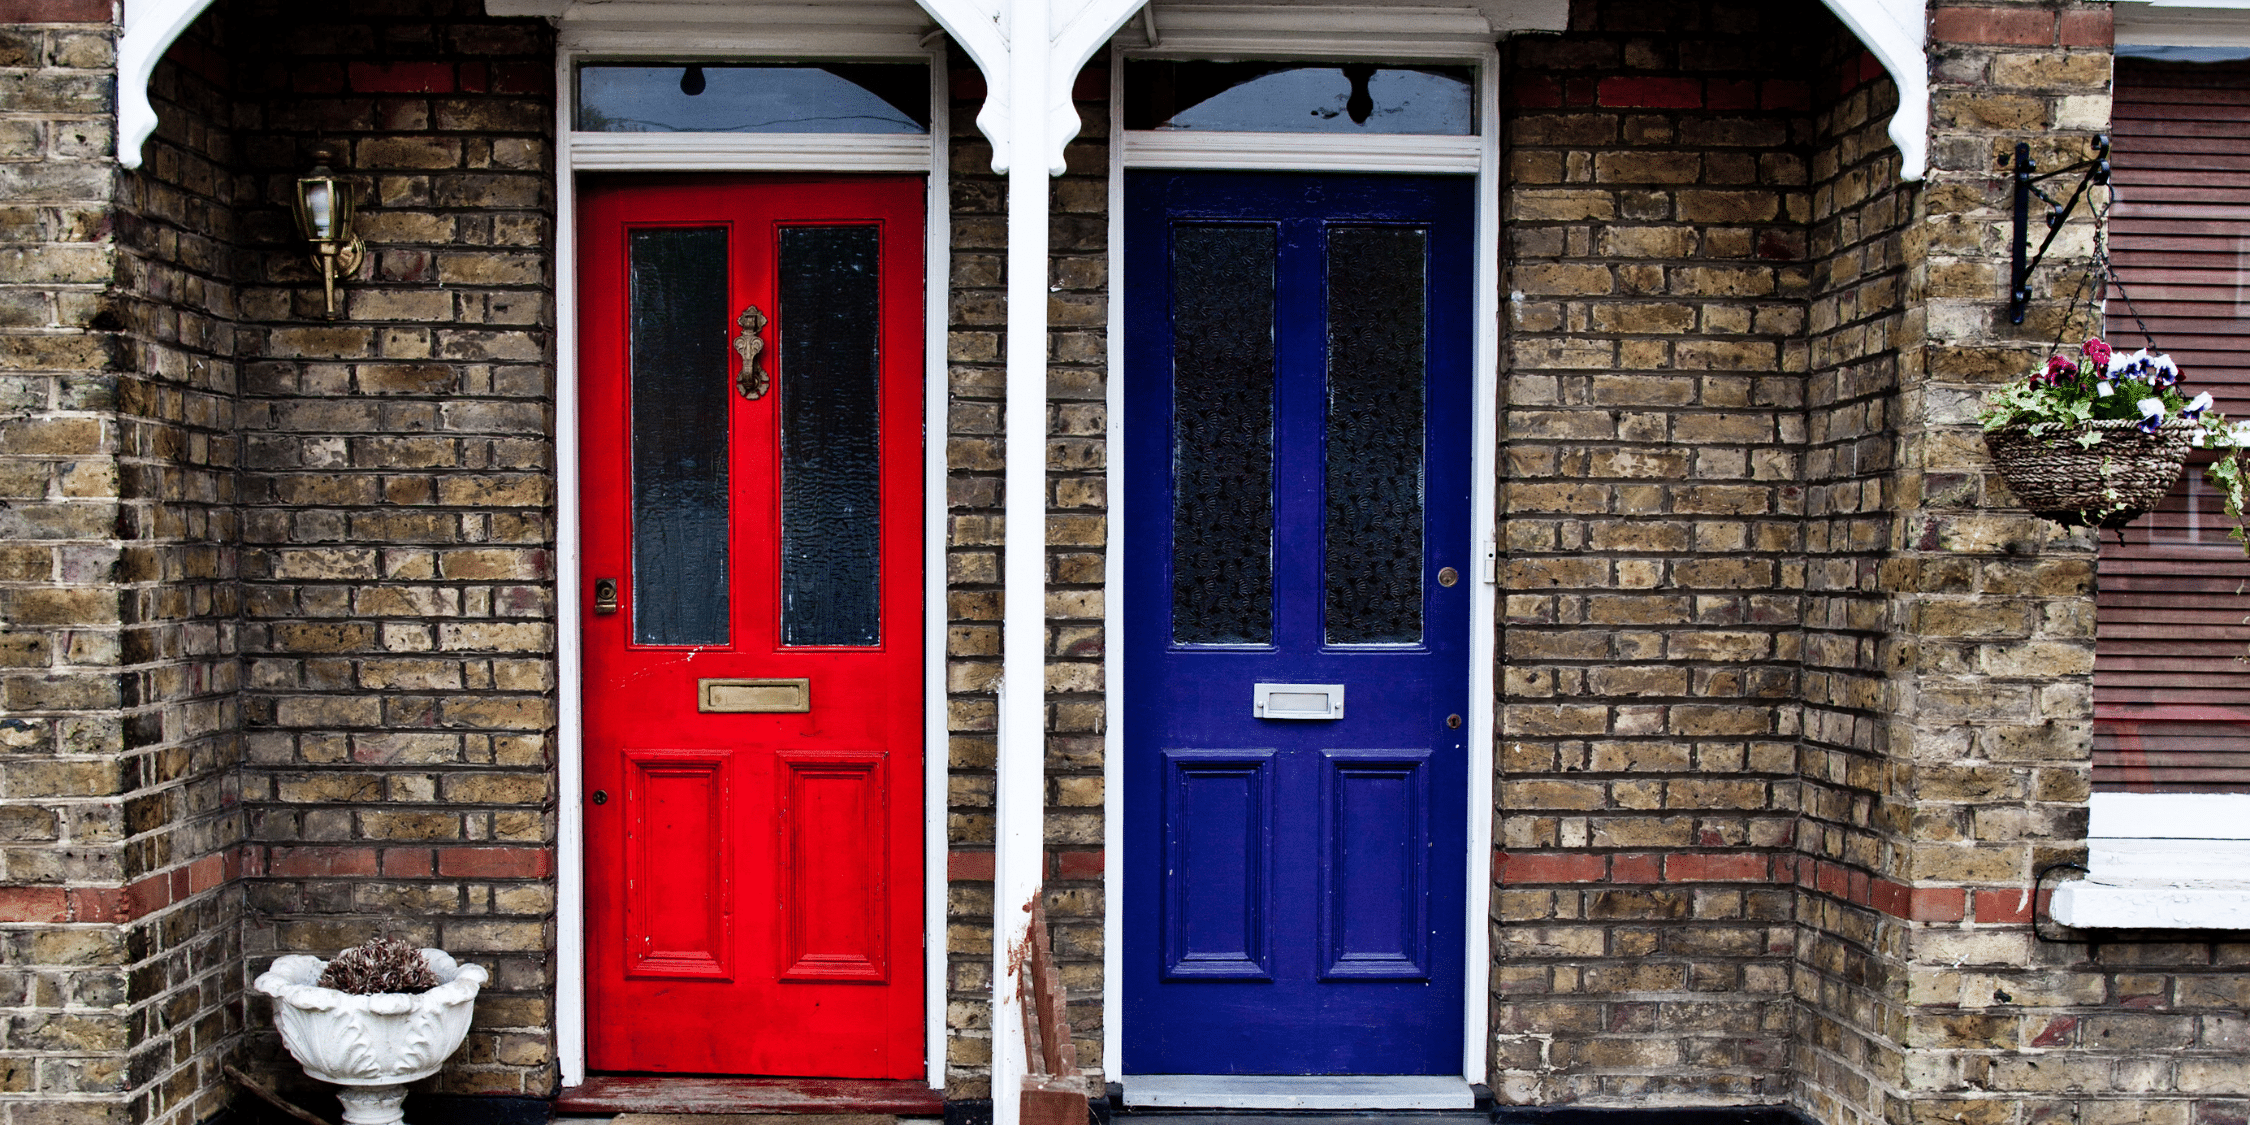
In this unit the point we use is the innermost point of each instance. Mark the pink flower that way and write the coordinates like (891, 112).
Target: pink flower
(2060, 367)
(2097, 351)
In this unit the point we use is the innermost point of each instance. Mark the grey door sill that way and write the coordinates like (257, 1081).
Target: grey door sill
(1320, 1091)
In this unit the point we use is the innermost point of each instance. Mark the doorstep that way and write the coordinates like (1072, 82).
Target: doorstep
(1298, 1092)
(612, 1093)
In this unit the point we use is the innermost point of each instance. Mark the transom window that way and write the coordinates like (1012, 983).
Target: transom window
(693, 97)
(1287, 97)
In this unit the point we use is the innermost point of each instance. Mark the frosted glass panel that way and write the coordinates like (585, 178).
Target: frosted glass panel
(831, 578)
(1222, 434)
(1375, 425)
(677, 313)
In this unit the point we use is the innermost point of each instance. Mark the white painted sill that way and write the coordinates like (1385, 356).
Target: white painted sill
(2162, 861)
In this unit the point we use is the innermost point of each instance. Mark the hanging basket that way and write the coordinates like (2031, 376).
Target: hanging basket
(2107, 484)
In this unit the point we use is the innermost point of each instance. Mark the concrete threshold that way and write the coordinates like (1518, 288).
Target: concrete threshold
(1297, 1092)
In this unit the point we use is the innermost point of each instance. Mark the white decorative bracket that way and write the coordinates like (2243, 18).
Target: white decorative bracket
(150, 28)
(1897, 31)
(1062, 34)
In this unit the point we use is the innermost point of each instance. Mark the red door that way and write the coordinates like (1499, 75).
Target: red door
(751, 384)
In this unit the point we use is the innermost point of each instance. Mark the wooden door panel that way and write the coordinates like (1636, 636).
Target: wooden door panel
(1374, 865)
(754, 703)
(679, 884)
(1218, 828)
(833, 818)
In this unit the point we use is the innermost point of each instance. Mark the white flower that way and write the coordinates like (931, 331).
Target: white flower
(2151, 407)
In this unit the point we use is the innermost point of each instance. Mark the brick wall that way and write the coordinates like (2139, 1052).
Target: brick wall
(1077, 529)
(121, 962)
(177, 455)
(1938, 1002)
(1859, 331)
(397, 489)
(1657, 200)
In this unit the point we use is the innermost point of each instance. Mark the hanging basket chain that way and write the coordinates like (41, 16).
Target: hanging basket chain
(2107, 269)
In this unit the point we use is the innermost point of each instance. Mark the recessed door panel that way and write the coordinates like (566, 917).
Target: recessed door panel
(1218, 827)
(1374, 866)
(750, 383)
(833, 822)
(679, 888)
(1296, 495)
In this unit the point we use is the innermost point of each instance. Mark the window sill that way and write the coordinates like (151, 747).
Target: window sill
(2088, 905)
(2161, 861)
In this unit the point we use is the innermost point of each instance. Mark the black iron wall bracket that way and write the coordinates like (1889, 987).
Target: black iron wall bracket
(2096, 171)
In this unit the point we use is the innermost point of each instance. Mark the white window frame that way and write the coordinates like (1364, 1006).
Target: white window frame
(2166, 860)
(1453, 37)
(886, 34)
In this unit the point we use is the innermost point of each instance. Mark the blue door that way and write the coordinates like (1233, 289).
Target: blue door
(1297, 544)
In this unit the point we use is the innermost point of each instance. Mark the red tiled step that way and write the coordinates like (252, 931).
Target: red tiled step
(648, 1094)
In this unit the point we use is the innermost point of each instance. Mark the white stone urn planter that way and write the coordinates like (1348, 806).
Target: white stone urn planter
(372, 1046)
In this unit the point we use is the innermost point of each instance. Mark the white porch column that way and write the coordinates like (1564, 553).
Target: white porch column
(1030, 52)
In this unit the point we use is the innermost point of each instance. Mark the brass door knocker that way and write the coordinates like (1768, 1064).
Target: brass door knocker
(750, 345)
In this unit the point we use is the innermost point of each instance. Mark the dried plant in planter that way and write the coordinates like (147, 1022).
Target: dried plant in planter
(384, 964)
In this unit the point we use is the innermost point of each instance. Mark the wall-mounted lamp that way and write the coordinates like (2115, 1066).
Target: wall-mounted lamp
(324, 217)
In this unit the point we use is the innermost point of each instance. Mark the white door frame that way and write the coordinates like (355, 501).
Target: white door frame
(1374, 35)
(887, 36)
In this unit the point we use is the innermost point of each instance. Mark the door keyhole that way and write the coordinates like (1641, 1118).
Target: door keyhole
(601, 796)
(1453, 722)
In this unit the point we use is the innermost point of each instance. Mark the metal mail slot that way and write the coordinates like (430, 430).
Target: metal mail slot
(1297, 701)
(753, 695)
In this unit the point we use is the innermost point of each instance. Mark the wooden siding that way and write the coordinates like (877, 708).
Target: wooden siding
(2171, 682)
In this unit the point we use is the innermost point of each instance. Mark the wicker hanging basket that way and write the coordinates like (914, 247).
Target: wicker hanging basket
(2108, 484)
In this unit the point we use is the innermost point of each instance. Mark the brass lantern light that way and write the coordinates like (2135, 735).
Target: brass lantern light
(324, 218)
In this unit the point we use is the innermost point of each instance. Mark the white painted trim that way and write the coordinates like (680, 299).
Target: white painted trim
(151, 26)
(2162, 861)
(936, 403)
(2172, 816)
(570, 742)
(1897, 31)
(2087, 905)
(1397, 34)
(1020, 754)
(2166, 23)
(1484, 629)
(789, 36)
(1288, 152)
(1113, 602)
(686, 151)
(751, 152)
(1292, 1092)
(1304, 152)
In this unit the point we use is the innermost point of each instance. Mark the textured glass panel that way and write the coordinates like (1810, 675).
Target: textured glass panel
(830, 468)
(1375, 404)
(677, 313)
(1273, 97)
(1222, 434)
(709, 98)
